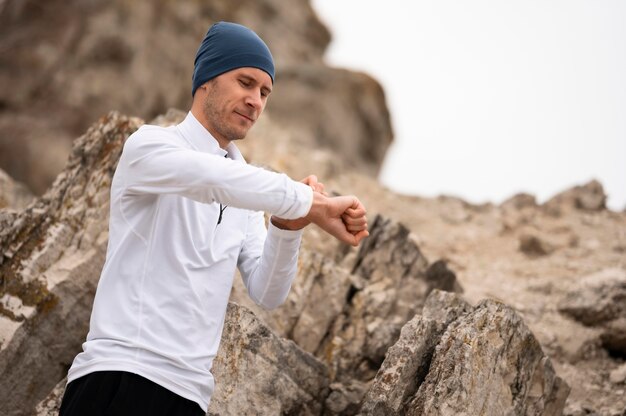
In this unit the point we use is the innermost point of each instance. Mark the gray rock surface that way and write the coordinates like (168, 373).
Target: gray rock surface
(408, 361)
(457, 360)
(396, 280)
(345, 113)
(13, 194)
(349, 311)
(488, 362)
(599, 300)
(51, 405)
(259, 373)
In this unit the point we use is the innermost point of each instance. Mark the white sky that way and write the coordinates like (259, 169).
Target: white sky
(491, 98)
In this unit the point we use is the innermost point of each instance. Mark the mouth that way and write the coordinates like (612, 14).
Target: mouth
(248, 118)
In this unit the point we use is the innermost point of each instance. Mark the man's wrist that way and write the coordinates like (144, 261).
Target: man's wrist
(318, 207)
(283, 224)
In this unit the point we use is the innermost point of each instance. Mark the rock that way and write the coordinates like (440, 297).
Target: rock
(454, 210)
(488, 362)
(535, 246)
(13, 194)
(345, 398)
(535, 242)
(519, 210)
(598, 298)
(455, 359)
(258, 373)
(52, 253)
(580, 410)
(519, 201)
(318, 295)
(349, 320)
(48, 94)
(588, 197)
(33, 147)
(440, 276)
(171, 117)
(51, 405)
(614, 337)
(346, 113)
(618, 376)
(599, 301)
(393, 288)
(407, 362)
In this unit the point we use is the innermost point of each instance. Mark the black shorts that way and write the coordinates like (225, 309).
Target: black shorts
(113, 393)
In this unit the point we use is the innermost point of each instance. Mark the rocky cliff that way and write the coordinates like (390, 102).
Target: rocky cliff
(64, 64)
(447, 308)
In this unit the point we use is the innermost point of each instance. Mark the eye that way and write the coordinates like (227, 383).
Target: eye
(244, 83)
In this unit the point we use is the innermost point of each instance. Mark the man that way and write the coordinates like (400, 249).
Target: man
(185, 211)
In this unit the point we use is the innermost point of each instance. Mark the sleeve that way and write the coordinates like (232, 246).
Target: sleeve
(268, 262)
(159, 165)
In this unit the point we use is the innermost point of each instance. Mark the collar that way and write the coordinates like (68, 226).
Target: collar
(200, 139)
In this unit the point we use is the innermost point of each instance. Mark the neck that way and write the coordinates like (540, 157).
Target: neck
(199, 115)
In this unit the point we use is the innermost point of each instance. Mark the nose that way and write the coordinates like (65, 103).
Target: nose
(255, 100)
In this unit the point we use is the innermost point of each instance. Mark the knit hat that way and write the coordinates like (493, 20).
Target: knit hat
(228, 46)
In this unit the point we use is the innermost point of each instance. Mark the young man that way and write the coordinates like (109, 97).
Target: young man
(185, 211)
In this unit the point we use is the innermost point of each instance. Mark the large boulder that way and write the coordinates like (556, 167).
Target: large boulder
(489, 362)
(458, 360)
(258, 373)
(396, 279)
(408, 361)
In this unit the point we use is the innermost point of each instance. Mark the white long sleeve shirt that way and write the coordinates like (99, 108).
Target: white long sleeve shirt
(161, 300)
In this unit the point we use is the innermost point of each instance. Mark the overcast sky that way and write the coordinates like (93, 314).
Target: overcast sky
(491, 98)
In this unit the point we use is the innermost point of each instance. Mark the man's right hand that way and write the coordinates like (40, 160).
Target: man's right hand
(343, 217)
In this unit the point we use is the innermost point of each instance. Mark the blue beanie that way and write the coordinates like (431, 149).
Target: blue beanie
(228, 46)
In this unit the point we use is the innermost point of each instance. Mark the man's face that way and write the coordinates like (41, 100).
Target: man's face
(234, 102)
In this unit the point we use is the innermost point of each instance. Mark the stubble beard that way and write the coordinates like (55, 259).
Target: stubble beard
(216, 114)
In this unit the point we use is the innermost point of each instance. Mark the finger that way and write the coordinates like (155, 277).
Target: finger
(310, 180)
(356, 212)
(356, 204)
(354, 229)
(356, 239)
(353, 219)
(360, 236)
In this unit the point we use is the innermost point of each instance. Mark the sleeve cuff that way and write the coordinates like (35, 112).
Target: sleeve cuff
(273, 230)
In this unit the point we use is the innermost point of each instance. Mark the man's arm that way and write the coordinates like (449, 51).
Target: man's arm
(268, 272)
(268, 261)
(154, 162)
(343, 217)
